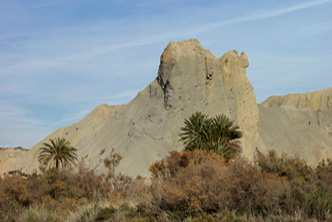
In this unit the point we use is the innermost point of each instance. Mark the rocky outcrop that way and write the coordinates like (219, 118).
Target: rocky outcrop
(189, 79)
(9, 156)
(298, 124)
(192, 79)
(234, 70)
(319, 100)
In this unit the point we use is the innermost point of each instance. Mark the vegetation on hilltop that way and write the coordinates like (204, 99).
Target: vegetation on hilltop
(14, 148)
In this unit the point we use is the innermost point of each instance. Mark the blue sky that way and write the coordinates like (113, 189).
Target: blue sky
(61, 59)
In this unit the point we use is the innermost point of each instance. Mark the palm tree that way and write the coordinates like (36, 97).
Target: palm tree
(218, 134)
(226, 135)
(193, 133)
(57, 151)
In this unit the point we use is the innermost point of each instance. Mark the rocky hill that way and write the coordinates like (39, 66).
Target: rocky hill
(192, 79)
(298, 124)
(8, 156)
(74, 133)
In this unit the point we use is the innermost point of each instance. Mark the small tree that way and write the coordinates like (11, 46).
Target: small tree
(58, 151)
(218, 134)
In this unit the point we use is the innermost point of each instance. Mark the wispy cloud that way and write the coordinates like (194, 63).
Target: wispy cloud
(63, 60)
(125, 95)
(48, 64)
(18, 129)
(262, 15)
(17, 116)
(177, 32)
(71, 118)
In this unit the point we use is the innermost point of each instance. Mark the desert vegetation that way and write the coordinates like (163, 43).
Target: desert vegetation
(217, 134)
(58, 151)
(197, 184)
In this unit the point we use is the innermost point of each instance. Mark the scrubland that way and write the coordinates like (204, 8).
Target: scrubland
(186, 186)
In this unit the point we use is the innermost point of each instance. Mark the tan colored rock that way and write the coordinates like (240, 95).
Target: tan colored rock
(234, 69)
(190, 79)
(8, 156)
(299, 125)
(319, 100)
(74, 133)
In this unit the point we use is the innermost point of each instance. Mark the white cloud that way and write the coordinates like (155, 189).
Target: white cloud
(262, 15)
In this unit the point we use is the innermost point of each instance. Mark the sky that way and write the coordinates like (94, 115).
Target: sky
(61, 59)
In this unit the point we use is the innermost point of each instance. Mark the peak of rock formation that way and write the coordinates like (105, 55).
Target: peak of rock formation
(189, 79)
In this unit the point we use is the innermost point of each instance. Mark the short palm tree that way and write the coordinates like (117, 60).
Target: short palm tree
(194, 133)
(218, 134)
(58, 151)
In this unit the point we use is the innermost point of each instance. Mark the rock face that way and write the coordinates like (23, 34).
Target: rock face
(9, 156)
(234, 70)
(315, 101)
(298, 124)
(192, 79)
(189, 79)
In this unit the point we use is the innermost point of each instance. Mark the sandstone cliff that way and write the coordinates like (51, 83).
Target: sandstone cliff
(189, 79)
(192, 79)
(319, 100)
(8, 156)
(298, 124)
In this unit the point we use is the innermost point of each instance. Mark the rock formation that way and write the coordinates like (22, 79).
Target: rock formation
(298, 124)
(8, 156)
(191, 79)
(74, 133)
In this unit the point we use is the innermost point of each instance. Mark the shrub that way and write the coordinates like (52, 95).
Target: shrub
(311, 188)
(196, 182)
(216, 134)
(294, 169)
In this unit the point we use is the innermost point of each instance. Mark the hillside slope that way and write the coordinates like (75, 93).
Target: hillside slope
(189, 79)
(8, 156)
(298, 124)
(192, 79)
(74, 133)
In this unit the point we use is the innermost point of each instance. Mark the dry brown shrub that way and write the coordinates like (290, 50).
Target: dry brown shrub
(15, 188)
(184, 183)
(85, 183)
(294, 169)
(323, 174)
(250, 190)
(200, 182)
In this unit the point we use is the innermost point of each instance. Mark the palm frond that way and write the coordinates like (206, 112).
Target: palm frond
(218, 134)
(58, 152)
